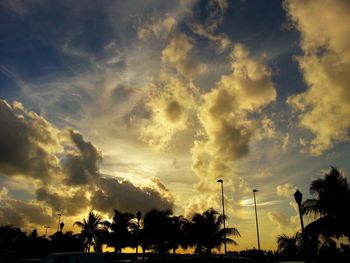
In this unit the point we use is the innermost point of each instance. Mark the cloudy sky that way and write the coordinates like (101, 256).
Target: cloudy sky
(136, 105)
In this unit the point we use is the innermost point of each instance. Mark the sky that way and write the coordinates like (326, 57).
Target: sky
(134, 105)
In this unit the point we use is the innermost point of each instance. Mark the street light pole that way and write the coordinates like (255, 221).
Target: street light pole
(298, 196)
(223, 209)
(59, 221)
(256, 219)
(46, 227)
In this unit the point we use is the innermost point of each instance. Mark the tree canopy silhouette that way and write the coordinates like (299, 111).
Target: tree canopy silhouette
(91, 229)
(289, 246)
(207, 231)
(122, 229)
(156, 230)
(331, 205)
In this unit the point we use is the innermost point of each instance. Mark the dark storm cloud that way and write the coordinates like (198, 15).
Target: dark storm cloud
(125, 196)
(81, 165)
(105, 195)
(20, 213)
(30, 147)
(67, 170)
(66, 203)
(26, 141)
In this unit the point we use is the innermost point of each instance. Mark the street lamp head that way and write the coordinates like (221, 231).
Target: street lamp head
(58, 214)
(298, 196)
(255, 190)
(220, 181)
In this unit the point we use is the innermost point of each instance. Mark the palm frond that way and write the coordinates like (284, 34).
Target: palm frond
(233, 231)
(230, 241)
(311, 206)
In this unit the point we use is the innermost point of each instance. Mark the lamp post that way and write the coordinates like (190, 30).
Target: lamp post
(61, 226)
(256, 219)
(223, 209)
(298, 196)
(59, 221)
(46, 227)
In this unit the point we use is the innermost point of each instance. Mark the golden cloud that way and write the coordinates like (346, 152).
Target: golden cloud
(227, 129)
(281, 220)
(200, 203)
(171, 104)
(324, 108)
(285, 190)
(156, 27)
(220, 117)
(176, 55)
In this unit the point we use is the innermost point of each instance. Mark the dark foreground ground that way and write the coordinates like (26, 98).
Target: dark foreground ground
(152, 258)
(62, 258)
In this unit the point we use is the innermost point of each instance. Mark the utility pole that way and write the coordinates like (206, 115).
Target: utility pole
(256, 219)
(223, 210)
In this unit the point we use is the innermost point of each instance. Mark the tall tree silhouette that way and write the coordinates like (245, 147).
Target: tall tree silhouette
(121, 228)
(156, 230)
(91, 230)
(208, 233)
(331, 204)
(176, 235)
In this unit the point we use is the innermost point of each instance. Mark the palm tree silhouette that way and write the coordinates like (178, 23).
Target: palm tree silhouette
(121, 230)
(91, 230)
(176, 234)
(331, 204)
(289, 246)
(156, 230)
(207, 232)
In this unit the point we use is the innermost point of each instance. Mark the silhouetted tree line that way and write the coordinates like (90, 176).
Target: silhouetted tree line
(158, 232)
(161, 233)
